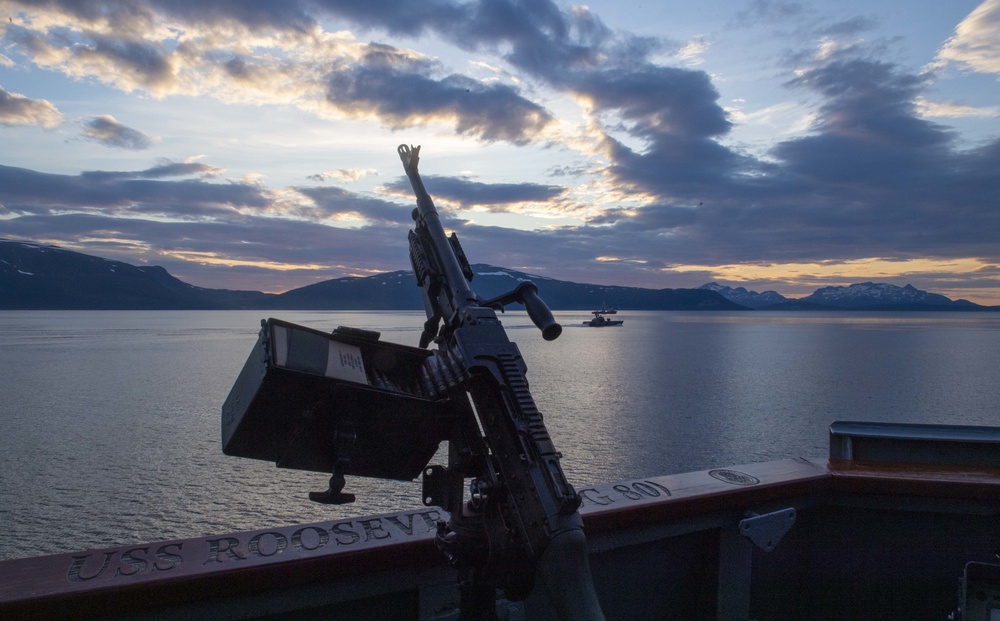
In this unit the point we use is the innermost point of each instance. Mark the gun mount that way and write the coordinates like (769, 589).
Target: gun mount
(348, 404)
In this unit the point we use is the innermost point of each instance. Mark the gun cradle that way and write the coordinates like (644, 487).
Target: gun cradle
(342, 402)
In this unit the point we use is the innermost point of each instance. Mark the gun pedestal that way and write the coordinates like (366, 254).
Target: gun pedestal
(464, 543)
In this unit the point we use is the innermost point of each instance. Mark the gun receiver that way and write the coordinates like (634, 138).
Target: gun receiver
(522, 516)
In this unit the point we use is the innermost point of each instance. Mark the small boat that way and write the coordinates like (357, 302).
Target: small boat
(600, 321)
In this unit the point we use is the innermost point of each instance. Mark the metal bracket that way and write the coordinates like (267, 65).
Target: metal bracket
(442, 487)
(765, 531)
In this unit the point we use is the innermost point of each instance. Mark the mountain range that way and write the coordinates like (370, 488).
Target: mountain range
(36, 276)
(859, 296)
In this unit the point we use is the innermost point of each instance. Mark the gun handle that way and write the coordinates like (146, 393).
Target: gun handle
(527, 293)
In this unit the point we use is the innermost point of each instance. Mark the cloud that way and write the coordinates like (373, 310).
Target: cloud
(344, 174)
(336, 203)
(868, 127)
(770, 11)
(125, 194)
(402, 92)
(975, 46)
(16, 109)
(872, 176)
(129, 64)
(165, 168)
(657, 101)
(275, 52)
(848, 28)
(278, 52)
(950, 109)
(106, 130)
(469, 193)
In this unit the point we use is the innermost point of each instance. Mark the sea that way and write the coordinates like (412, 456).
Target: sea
(110, 421)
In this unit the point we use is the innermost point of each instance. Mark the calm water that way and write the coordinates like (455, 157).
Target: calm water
(109, 421)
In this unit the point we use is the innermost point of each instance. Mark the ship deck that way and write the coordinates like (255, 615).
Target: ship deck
(850, 536)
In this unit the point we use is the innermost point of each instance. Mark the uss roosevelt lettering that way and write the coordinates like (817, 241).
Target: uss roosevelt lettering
(310, 538)
(127, 562)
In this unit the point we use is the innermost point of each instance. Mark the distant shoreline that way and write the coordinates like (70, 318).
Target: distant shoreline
(40, 277)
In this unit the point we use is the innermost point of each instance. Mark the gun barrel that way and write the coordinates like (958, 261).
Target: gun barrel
(462, 295)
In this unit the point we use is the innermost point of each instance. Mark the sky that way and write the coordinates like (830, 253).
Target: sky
(251, 144)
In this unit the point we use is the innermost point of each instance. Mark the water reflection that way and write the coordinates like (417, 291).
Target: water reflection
(671, 392)
(111, 420)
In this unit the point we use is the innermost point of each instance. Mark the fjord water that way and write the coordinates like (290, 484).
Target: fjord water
(109, 421)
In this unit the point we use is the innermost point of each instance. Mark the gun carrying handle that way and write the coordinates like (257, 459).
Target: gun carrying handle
(527, 293)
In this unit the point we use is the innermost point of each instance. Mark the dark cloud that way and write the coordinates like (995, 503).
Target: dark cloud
(874, 179)
(28, 192)
(658, 101)
(542, 37)
(574, 51)
(399, 16)
(569, 49)
(674, 112)
(106, 130)
(144, 63)
(402, 94)
(878, 169)
(692, 169)
(258, 15)
(770, 11)
(567, 171)
(473, 193)
(131, 17)
(179, 169)
(162, 170)
(871, 102)
(336, 201)
(850, 27)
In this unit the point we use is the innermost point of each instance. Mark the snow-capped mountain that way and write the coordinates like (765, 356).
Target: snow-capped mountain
(876, 294)
(865, 295)
(741, 296)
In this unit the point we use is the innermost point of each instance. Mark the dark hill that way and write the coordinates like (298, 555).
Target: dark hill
(36, 276)
(398, 291)
(389, 291)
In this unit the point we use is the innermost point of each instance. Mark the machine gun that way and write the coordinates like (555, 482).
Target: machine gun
(522, 516)
(349, 404)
